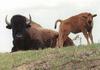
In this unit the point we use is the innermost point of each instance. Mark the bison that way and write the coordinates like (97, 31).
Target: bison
(82, 22)
(50, 38)
(28, 35)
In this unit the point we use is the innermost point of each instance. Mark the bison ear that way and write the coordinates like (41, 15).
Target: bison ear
(94, 15)
(8, 26)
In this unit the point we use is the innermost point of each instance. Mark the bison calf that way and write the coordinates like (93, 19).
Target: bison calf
(82, 22)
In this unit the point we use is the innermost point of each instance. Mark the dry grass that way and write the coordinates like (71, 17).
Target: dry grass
(67, 58)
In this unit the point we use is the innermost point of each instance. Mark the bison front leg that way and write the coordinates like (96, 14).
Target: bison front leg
(14, 49)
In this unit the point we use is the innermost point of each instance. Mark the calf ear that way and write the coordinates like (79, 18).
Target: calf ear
(8, 26)
(94, 15)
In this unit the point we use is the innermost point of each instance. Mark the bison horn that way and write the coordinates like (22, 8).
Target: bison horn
(30, 20)
(94, 15)
(7, 21)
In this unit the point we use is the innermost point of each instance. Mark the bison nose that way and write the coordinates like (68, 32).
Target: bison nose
(19, 36)
(90, 22)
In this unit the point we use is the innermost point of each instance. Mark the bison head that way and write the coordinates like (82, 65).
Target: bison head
(18, 24)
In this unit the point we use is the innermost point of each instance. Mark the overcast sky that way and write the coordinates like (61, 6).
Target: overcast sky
(46, 12)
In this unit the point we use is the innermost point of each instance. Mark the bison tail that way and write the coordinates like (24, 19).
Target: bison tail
(59, 20)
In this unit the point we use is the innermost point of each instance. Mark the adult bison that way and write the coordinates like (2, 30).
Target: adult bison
(50, 38)
(82, 22)
(47, 37)
(28, 35)
(22, 32)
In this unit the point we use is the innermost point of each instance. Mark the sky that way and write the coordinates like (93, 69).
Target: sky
(46, 12)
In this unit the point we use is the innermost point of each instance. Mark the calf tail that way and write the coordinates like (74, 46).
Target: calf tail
(59, 20)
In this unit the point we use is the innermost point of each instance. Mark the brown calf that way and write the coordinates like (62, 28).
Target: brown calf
(82, 22)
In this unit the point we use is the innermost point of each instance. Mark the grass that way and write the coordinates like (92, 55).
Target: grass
(67, 58)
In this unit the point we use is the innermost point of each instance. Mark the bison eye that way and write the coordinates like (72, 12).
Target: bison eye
(28, 26)
(84, 17)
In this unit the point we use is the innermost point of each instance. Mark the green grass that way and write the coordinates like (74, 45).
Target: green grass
(67, 58)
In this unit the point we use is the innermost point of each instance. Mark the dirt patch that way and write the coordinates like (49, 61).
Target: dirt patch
(39, 65)
(83, 65)
(72, 65)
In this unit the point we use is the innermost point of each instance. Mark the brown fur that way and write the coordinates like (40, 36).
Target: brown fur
(82, 22)
(46, 36)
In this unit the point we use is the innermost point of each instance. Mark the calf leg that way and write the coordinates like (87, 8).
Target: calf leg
(60, 40)
(86, 36)
(57, 43)
(91, 37)
(65, 36)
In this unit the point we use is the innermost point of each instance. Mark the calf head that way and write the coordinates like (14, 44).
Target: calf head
(89, 18)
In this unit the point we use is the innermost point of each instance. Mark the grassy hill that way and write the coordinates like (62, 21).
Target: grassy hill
(67, 58)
